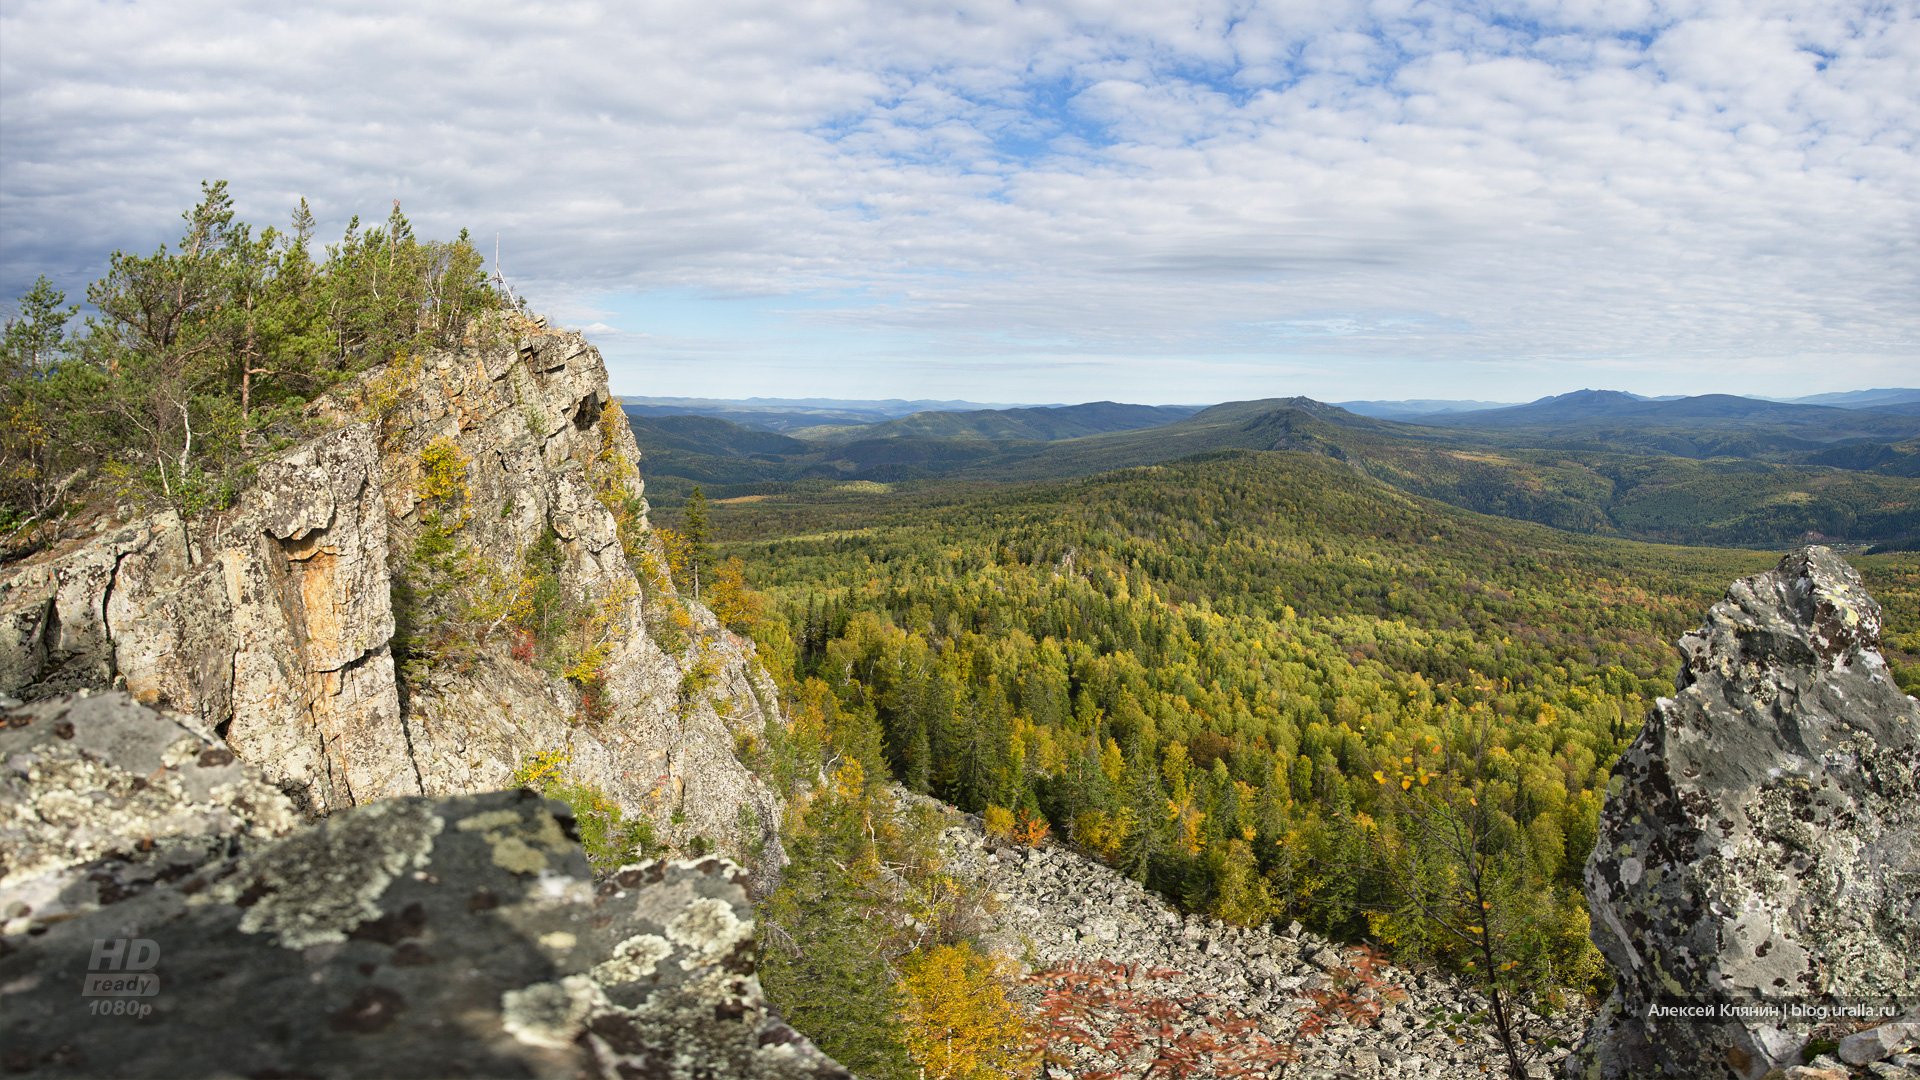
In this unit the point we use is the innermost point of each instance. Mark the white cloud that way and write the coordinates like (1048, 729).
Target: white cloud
(1712, 194)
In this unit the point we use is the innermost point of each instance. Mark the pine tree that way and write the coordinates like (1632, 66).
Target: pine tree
(35, 466)
(36, 339)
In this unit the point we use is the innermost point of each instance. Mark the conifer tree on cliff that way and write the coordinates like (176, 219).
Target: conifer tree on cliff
(35, 465)
(699, 533)
(202, 355)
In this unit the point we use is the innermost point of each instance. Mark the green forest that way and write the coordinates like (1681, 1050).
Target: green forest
(1263, 684)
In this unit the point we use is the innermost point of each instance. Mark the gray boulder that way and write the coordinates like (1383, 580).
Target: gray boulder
(460, 936)
(1760, 844)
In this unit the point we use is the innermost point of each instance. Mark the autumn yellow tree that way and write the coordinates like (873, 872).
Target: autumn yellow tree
(730, 598)
(998, 823)
(955, 1017)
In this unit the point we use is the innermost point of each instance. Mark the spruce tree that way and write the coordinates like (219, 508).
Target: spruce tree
(699, 534)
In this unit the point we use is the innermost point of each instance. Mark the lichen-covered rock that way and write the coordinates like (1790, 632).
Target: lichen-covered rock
(53, 621)
(1879, 1043)
(1760, 841)
(412, 937)
(103, 799)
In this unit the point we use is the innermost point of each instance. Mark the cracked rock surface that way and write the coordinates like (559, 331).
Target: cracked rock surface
(269, 624)
(1760, 841)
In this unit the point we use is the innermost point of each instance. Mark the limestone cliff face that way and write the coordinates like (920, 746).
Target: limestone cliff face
(274, 623)
(544, 452)
(1760, 841)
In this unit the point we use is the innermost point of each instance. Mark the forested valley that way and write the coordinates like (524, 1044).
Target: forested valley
(1266, 685)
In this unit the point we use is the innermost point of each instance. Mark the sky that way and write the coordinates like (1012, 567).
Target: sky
(1046, 202)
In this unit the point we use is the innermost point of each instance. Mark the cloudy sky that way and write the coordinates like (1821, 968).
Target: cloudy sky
(1048, 201)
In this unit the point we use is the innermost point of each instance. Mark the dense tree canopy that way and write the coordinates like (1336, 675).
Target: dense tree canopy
(198, 357)
(1260, 682)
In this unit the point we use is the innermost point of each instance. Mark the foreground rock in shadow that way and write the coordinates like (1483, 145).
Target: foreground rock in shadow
(461, 936)
(1760, 844)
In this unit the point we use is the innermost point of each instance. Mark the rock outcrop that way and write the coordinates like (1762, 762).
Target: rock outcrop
(271, 626)
(273, 623)
(460, 936)
(546, 452)
(1759, 849)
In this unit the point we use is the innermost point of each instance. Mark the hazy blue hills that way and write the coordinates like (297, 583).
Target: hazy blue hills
(1267, 424)
(1589, 406)
(1892, 399)
(708, 435)
(1899, 408)
(1864, 399)
(1704, 426)
(728, 450)
(1041, 423)
(786, 414)
(1577, 406)
(1400, 410)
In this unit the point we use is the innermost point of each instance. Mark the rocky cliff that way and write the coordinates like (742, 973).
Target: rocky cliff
(1758, 857)
(414, 524)
(189, 928)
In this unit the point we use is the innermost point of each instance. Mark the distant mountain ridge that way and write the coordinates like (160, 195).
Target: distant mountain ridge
(1863, 399)
(1703, 426)
(1039, 423)
(787, 414)
(708, 435)
(896, 406)
(1411, 407)
(1710, 469)
(733, 450)
(1655, 485)
(1408, 409)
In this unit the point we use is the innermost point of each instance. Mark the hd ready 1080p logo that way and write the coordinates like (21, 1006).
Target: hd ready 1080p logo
(119, 972)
